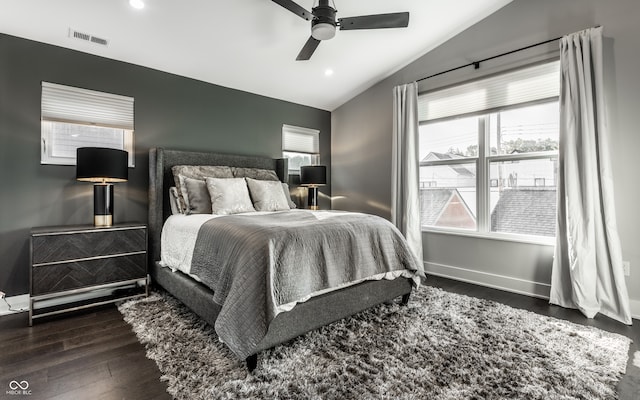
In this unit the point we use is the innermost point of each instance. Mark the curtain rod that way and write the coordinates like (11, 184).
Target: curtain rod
(476, 64)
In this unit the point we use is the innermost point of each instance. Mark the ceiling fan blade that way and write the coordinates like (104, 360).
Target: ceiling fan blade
(308, 49)
(294, 8)
(378, 21)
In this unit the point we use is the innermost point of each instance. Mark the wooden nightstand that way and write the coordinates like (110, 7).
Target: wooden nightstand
(76, 267)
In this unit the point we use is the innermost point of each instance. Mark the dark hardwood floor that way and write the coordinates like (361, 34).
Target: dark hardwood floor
(91, 355)
(95, 355)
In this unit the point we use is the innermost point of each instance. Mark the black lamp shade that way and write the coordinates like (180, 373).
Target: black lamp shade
(102, 166)
(313, 175)
(99, 164)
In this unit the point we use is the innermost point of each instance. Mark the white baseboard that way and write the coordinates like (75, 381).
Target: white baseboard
(507, 283)
(20, 303)
(510, 284)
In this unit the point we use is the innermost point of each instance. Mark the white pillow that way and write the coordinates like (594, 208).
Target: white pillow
(267, 195)
(229, 196)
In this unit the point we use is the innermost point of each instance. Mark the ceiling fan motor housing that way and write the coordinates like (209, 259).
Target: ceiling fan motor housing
(323, 26)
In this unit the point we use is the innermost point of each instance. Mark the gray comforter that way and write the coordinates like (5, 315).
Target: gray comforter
(258, 264)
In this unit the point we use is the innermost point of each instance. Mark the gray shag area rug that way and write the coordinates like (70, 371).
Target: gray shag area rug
(441, 346)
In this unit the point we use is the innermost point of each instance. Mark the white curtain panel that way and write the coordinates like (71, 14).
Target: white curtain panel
(587, 268)
(405, 195)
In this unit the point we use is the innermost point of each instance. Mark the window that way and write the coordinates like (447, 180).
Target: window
(74, 117)
(301, 146)
(491, 147)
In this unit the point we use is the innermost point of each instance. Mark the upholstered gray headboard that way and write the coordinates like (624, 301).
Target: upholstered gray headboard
(161, 179)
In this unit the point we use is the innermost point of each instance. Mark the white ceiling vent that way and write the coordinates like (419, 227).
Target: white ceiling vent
(87, 37)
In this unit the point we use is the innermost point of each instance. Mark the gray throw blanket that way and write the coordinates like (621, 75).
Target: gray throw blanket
(257, 263)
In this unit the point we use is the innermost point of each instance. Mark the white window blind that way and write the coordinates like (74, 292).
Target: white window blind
(300, 140)
(74, 105)
(524, 85)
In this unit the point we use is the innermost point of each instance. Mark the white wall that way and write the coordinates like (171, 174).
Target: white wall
(361, 133)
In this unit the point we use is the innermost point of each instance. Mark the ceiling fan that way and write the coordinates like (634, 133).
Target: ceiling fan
(323, 23)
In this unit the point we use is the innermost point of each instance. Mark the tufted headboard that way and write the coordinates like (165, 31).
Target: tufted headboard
(161, 179)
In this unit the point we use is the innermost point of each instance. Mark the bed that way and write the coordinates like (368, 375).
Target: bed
(300, 317)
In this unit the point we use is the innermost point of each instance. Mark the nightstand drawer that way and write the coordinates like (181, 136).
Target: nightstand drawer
(51, 248)
(74, 275)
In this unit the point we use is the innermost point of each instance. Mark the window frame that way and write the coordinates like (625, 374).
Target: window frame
(482, 163)
(313, 152)
(69, 105)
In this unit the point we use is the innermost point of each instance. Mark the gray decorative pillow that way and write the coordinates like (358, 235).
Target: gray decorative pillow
(173, 201)
(196, 172)
(198, 199)
(229, 196)
(285, 187)
(267, 195)
(255, 173)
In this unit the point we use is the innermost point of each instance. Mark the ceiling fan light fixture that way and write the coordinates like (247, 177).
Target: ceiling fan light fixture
(323, 31)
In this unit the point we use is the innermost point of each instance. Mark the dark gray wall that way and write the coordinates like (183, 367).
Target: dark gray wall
(170, 111)
(362, 128)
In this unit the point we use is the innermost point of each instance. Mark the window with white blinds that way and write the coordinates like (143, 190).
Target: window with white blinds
(488, 153)
(301, 146)
(521, 86)
(73, 117)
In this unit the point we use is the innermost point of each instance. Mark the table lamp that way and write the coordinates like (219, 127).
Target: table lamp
(102, 166)
(313, 176)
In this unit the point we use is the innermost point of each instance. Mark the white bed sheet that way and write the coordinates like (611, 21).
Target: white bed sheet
(178, 239)
(179, 235)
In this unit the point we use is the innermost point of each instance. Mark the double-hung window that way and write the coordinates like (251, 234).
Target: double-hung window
(489, 154)
(301, 146)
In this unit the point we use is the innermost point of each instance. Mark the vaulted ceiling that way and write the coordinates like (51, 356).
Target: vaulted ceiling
(250, 45)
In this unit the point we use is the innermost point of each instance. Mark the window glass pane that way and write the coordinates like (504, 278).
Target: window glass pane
(448, 196)
(66, 138)
(525, 130)
(523, 199)
(449, 139)
(296, 160)
(61, 139)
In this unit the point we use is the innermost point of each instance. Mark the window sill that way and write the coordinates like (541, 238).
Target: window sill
(505, 237)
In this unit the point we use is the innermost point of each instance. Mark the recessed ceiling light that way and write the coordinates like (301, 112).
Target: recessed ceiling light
(328, 72)
(137, 4)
